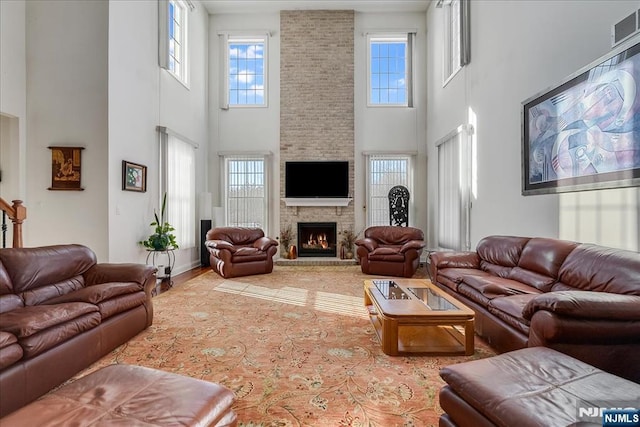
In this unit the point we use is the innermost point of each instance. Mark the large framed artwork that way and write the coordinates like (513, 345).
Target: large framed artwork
(584, 133)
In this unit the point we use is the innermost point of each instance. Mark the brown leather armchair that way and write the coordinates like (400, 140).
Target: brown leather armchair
(238, 251)
(390, 250)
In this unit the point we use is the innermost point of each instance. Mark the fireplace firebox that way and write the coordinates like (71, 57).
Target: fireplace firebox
(317, 239)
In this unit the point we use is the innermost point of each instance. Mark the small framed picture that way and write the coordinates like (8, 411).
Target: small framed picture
(134, 177)
(65, 168)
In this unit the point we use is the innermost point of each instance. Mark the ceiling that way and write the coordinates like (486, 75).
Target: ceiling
(263, 6)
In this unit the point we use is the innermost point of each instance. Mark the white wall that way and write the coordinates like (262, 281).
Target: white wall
(391, 129)
(66, 99)
(143, 96)
(517, 50)
(13, 109)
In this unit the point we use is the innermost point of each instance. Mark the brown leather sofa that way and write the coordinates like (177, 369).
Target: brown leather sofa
(60, 311)
(390, 250)
(532, 387)
(239, 251)
(580, 299)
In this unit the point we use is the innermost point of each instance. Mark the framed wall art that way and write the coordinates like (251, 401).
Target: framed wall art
(66, 165)
(584, 133)
(134, 177)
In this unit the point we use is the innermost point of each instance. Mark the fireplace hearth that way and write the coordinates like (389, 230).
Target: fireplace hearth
(317, 239)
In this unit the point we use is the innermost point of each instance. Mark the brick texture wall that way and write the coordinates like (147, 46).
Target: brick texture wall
(316, 102)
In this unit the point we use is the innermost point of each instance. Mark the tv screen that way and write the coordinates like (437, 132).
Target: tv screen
(328, 179)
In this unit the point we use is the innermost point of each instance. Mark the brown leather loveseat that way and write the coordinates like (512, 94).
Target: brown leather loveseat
(60, 311)
(579, 299)
(390, 250)
(240, 251)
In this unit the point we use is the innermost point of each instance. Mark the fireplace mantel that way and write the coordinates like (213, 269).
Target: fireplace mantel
(338, 202)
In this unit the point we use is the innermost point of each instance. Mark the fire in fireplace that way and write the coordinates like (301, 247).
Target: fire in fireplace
(317, 239)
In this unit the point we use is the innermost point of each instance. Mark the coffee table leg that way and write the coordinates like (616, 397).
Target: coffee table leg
(389, 337)
(469, 333)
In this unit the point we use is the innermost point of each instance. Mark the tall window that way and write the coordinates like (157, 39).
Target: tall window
(173, 37)
(178, 165)
(246, 75)
(385, 171)
(390, 70)
(454, 190)
(246, 190)
(457, 36)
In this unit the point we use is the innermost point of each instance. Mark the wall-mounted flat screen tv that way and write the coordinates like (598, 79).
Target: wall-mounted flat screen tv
(317, 179)
(584, 133)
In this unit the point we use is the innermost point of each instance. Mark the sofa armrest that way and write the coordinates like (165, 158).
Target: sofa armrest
(264, 243)
(418, 245)
(369, 244)
(105, 273)
(220, 244)
(444, 259)
(585, 305)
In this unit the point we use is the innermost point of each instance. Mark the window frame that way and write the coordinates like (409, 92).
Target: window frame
(227, 39)
(166, 23)
(225, 159)
(408, 37)
(410, 158)
(457, 36)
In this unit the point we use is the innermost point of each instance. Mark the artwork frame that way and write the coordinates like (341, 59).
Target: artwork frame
(584, 133)
(134, 177)
(66, 168)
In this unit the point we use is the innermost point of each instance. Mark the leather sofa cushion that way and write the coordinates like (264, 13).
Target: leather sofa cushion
(27, 270)
(6, 287)
(596, 268)
(61, 333)
(97, 293)
(10, 350)
(545, 256)
(47, 292)
(248, 254)
(386, 235)
(531, 278)
(236, 235)
(457, 274)
(492, 286)
(28, 321)
(121, 304)
(10, 302)
(501, 250)
(509, 309)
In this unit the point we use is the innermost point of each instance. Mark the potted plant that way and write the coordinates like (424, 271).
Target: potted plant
(162, 238)
(348, 239)
(286, 237)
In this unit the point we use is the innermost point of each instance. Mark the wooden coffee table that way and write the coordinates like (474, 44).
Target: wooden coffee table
(412, 316)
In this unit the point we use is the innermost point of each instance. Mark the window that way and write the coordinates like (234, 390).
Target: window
(390, 70)
(178, 165)
(457, 36)
(173, 38)
(454, 190)
(246, 75)
(385, 171)
(246, 190)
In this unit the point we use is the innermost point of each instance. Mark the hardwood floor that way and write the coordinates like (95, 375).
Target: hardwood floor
(164, 286)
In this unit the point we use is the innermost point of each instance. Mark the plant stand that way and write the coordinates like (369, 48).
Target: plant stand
(164, 270)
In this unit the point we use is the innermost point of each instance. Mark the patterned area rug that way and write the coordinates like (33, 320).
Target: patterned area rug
(295, 346)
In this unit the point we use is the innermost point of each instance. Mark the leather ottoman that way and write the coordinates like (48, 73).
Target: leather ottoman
(126, 395)
(535, 386)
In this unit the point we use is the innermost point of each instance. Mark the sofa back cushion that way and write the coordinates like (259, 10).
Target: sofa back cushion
(499, 254)
(393, 235)
(540, 262)
(33, 270)
(236, 235)
(597, 268)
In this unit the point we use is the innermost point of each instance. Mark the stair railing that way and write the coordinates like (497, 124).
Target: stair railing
(17, 213)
